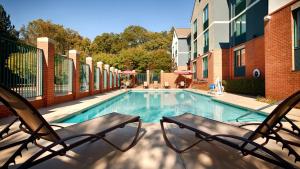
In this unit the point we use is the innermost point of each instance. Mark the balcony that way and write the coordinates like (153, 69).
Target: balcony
(205, 49)
(205, 73)
(195, 35)
(297, 58)
(239, 71)
(205, 25)
(240, 7)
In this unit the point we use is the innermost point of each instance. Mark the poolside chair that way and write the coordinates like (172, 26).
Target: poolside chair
(146, 86)
(244, 140)
(166, 85)
(155, 84)
(36, 127)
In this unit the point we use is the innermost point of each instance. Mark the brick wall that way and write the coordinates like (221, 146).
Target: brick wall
(281, 80)
(254, 57)
(175, 79)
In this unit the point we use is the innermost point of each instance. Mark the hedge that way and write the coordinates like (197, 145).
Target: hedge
(254, 87)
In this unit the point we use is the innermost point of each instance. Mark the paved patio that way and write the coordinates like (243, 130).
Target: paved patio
(151, 151)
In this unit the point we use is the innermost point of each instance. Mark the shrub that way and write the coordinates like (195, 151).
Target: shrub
(254, 87)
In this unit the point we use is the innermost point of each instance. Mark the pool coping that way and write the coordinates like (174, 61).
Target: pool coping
(61, 119)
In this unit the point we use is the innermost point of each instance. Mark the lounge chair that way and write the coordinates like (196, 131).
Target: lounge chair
(244, 140)
(146, 86)
(155, 84)
(166, 85)
(35, 127)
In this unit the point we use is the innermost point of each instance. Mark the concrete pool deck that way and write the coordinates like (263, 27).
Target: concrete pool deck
(151, 151)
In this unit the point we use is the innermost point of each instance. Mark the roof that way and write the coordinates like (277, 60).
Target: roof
(182, 32)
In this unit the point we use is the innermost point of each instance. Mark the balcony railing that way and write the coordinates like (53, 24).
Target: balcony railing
(240, 7)
(205, 49)
(240, 71)
(297, 58)
(205, 73)
(205, 25)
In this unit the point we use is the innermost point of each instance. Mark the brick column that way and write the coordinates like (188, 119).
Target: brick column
(73, 54)
(106, 67)
(100, 65)
(48, 47)
(89, 61)
(148, 77)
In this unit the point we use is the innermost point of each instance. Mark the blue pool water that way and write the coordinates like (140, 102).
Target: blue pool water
(152, 105)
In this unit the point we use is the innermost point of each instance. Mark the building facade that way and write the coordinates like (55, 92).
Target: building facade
(282, 44)
(227, 39)
(181, 48)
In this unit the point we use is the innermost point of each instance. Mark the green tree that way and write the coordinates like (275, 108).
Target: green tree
(7, 30)
(135, 35)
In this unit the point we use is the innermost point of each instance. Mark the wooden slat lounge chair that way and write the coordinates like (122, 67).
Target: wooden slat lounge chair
(243, 139)
(36, 127)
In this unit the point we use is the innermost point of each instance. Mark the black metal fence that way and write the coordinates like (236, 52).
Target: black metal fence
(63, 75)
(21, 68)
(154, 77)
(141, 78)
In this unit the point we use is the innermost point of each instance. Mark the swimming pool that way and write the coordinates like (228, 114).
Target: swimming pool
(152, 105)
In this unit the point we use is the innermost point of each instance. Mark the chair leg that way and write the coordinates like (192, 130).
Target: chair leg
(169, 144)
(132, 143)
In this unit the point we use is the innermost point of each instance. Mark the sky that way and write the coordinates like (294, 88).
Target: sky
(94, 17)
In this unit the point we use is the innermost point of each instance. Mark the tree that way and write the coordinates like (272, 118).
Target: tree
(135, 35)
(7, 30)
(108, 43)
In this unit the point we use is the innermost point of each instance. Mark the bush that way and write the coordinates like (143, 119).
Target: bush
(254, 87)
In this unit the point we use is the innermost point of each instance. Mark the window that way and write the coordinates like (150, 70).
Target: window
(296, 15)
(195, 28)
(240, 6)
(195, 49)
(239, 63)
(205, 67)
(206, 42)
(205, 17)
(195, 70)
(240, 29)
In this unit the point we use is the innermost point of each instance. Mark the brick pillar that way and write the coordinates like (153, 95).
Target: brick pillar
(89, 61)
(48, 47)
(100, 65)
(73, 54)
(106, 67)
(148, 77)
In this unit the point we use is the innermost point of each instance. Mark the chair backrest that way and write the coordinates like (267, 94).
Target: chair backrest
(155, 82)
(167, 84)
(182, 83)
(276, 116)
(27, 114)
(145, 83)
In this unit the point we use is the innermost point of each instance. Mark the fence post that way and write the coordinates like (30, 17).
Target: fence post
(106, 67)
(48, 47)
(148, 77)
(99, 65)
(89, 61)
(162, 79)
(74, 55)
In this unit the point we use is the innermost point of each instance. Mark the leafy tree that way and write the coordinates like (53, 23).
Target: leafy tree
(108, 43)
(135, 35)
(6, 28)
